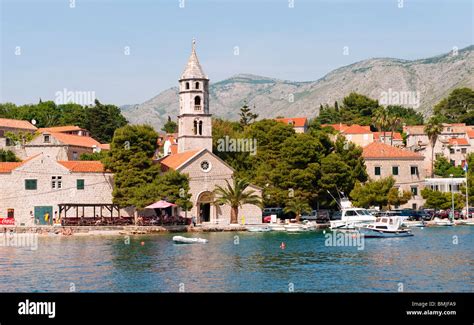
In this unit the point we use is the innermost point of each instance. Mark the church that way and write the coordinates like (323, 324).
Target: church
(194, 154)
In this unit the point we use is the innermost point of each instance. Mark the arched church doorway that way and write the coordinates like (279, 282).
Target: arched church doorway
(205, 208)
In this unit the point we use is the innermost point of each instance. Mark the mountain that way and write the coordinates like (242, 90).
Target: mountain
(434, 78)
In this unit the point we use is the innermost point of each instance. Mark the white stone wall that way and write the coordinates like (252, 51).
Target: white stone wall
(98, 188)
(201, 181)
(404, 180)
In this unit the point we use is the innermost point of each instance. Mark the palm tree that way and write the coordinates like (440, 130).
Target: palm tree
(433, 129)
(393, 122)
(380, 120)
(297, 206)
(236, 196)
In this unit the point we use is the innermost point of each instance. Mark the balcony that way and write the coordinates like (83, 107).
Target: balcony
(197, 107)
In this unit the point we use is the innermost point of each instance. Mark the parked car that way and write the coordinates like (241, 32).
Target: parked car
(267, 212)
(320, 216)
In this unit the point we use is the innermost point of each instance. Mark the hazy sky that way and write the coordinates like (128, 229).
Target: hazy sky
(83, 48)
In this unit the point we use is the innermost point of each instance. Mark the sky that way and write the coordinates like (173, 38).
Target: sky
(128, 51)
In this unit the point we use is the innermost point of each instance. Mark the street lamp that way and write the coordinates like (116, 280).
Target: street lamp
(452, 197)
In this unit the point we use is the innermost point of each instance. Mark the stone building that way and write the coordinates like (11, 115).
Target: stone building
(13, 126)
(406, 167)
(40, 183)
(361, 135)
(299, 124)
(194, 151)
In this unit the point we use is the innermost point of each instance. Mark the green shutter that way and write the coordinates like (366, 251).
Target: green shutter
(31, 184)
(80, 184)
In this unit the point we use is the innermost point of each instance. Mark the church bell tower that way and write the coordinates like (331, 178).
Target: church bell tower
(194, 119)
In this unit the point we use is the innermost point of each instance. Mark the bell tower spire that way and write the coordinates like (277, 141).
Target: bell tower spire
(194, 119)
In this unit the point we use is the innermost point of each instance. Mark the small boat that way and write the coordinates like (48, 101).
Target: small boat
(276, 227)
(385, 227)
(352, 218)
(187, 240)
(295, 227)
(259, 229)
(441, 222)
(413, 223)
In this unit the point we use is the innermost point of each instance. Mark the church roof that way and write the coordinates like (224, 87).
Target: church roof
(193, 69)
(176, 160)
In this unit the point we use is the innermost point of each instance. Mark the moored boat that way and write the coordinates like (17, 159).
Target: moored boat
(259, 229)
(441, 222)
(187, 240)
(385, 227)
(352, 218)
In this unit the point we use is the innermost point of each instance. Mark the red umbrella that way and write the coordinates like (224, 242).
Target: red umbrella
(160, 205)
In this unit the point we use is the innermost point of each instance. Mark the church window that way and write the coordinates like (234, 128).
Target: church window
(200, 127)
(197, 103)
(195, 127)
(205, 166)
(187, 85)
(197, 85)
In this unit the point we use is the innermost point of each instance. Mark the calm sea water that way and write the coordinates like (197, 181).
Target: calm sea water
(428, 261)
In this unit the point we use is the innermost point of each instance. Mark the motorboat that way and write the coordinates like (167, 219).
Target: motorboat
(259, 229)
(385, 227)
(295, 227)
(276, 227)
(352, 218)
(441, 222)
(413, 223)
(188, 240)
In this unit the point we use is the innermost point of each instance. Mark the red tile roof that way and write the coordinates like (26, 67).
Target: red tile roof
(83, 166)
(76, 140)
(7, 167)
(173, 161)
(357, 129)
(16, 124)
(338, 127)
(458, 142)
(295, 121)
(104, 146)
(378, 150)
(396, 135)
(470, 133)
(65, 128)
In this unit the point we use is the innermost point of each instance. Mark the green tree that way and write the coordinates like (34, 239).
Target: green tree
(246, 115)
(297, 206)
(443, 168)
(20, 138)
(396, 197)
(441, 200)
(8, 156)
(433, 129)
(372, 193)
(170, 126)
(100, 156)
(457, 107)
(235, 196)
(102, 121)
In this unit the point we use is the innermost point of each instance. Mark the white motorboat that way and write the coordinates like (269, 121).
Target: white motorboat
(295, 227)
(259, 229)
(187, 240)
(413, 223)
(385, 227)
(352, 218)
(276, 227)
(441, 222)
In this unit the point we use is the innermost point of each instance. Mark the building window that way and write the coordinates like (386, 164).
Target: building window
(463, 150)
(195, 129)
(200, 127)
(451, 150)
(197, 103)
(414, 190)
(74, 155)
(452, 162)
(56, 182)
(46, 138)
(31, 184)
(394, 170)
(205, 166)
(414, 170)
(377, 171)
(197, 85)
(414, 206)
(187, 85)
(80, 184)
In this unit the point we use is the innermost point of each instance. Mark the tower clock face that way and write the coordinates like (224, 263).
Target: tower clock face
(205, 166)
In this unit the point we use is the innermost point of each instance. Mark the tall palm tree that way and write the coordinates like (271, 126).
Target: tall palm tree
(297, 206)
(393, 122)
(236, 195)
(380, 120)
(433, 129)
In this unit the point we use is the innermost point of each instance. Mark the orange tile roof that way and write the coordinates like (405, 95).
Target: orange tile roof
(338, 127)
(396, 135)
(384, 151)
(173, 161)
(16, 124)
(83, 166)
(104, 146)
(295, 121)
(7, 167)
(458, 142)
(76, 140)
(470, 133)
(357, 129)
(65, 128)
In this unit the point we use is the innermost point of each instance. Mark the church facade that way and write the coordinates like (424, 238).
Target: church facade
(194, 154)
